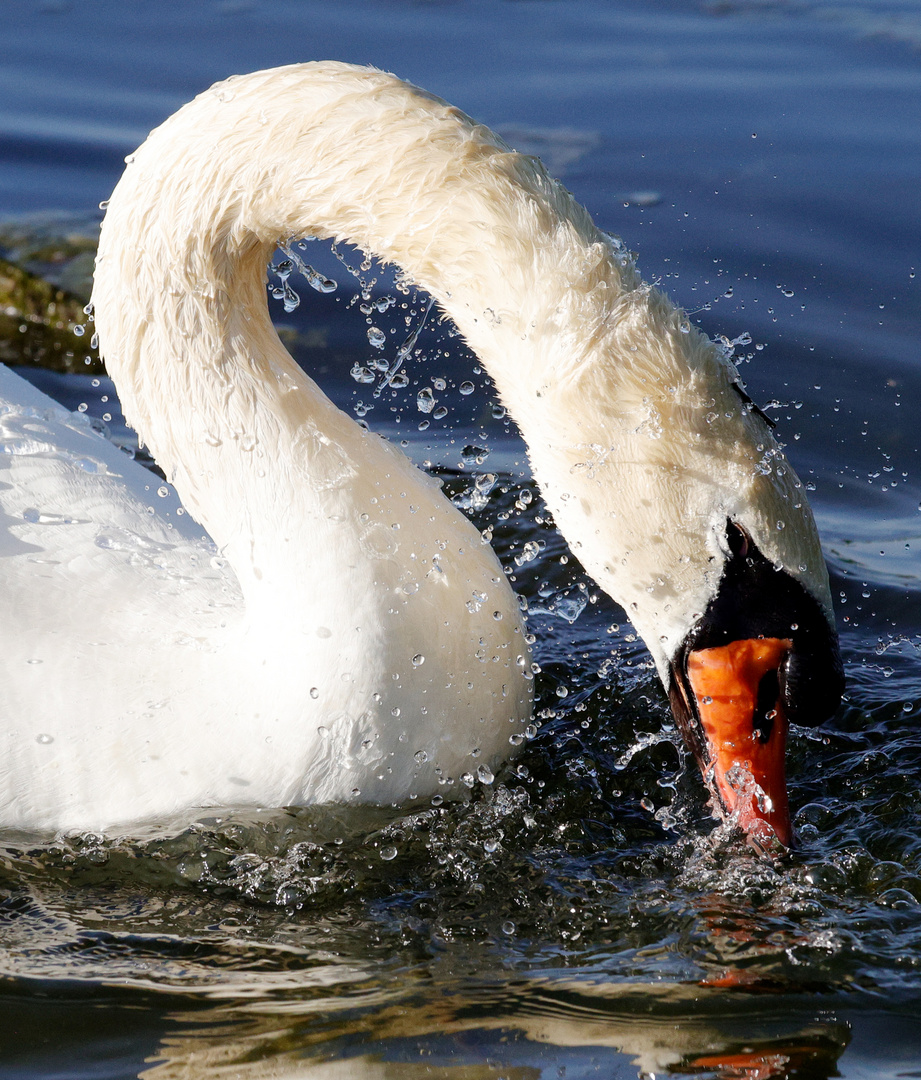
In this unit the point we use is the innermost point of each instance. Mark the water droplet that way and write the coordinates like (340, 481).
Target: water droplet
(425, 400)
(466, 388)
(314, 692)
(79, 330)
(44, 740)
(377, 337)
(484, 774)
(418, 660)
(529, 553)
(420, 757)
(489, 846)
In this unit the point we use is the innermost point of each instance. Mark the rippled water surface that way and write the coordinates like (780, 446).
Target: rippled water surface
(578, 915)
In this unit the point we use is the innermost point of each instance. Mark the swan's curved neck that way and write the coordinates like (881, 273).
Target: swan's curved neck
(321, 150)
(593, 365)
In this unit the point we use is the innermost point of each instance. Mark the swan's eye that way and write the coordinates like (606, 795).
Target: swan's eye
(737, 539)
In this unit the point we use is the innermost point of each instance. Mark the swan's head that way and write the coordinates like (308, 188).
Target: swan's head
(674, 494)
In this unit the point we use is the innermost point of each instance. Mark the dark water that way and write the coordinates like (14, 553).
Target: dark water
(578, 917)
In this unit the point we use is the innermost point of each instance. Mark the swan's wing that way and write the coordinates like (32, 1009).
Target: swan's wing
(90, 541)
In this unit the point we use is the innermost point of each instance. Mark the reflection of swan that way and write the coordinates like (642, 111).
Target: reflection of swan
(518, 1031)
(355, 639)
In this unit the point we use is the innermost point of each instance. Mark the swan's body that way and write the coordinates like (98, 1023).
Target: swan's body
(285, 673)
(140, 684)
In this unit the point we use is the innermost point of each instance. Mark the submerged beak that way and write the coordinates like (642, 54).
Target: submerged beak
(738, 698)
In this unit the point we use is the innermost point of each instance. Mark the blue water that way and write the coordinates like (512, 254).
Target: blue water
(764, 161)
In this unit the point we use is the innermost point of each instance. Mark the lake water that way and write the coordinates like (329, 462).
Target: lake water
(763, 158)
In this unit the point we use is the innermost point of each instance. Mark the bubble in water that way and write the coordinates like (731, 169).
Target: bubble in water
(388, 853)
(508, 927)
(490, 845)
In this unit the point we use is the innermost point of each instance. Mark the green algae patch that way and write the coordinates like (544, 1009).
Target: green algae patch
(38, 321)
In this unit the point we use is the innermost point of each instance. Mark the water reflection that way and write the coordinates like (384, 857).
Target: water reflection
(526, 1030)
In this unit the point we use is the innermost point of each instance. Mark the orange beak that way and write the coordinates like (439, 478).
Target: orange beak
(741, 711)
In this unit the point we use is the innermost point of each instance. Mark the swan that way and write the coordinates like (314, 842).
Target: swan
(314, 622)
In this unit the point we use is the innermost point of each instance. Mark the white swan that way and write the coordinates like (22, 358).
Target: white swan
(340, 648)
